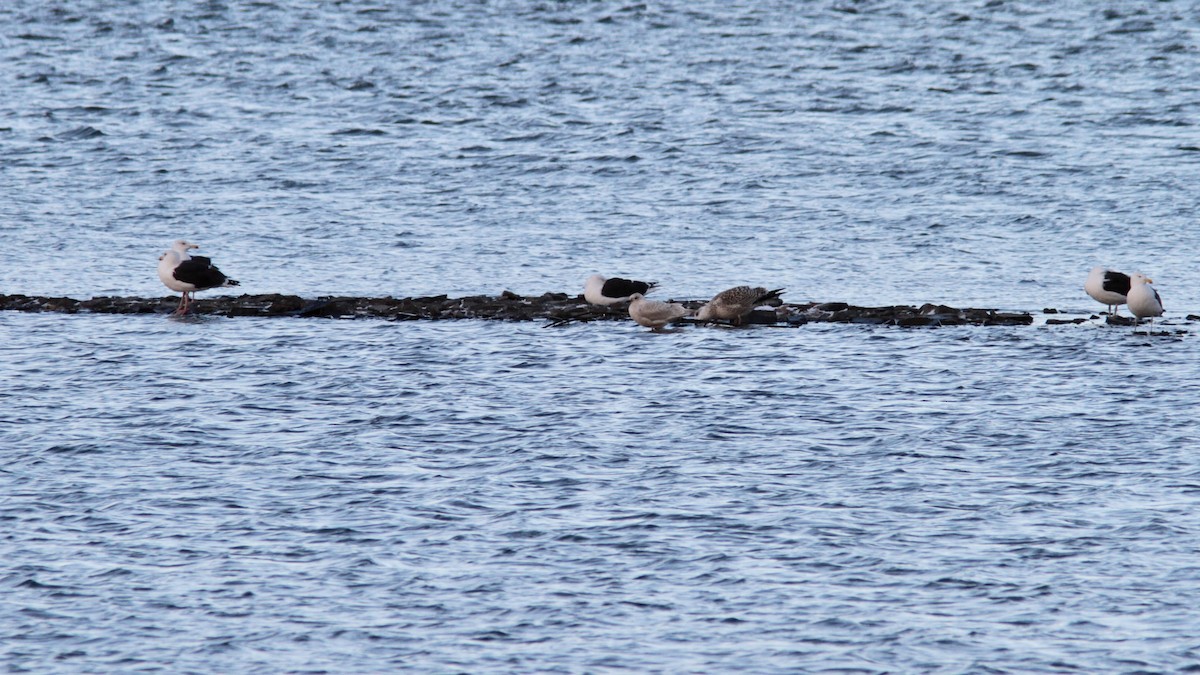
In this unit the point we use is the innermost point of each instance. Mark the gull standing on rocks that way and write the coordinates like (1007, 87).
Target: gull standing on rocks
(735, 303)
(1143, 300)
(1107, 286)
(187, 274)
(600, 291)
(654, 314)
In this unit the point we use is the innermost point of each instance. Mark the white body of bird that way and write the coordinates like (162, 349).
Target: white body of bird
(1108, 287)
(1144, 302)
(168, 261)
(180, 271)
(601, 291)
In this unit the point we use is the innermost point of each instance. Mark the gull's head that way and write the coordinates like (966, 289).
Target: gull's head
(1140, 278)
(183, 245)
(635, 297)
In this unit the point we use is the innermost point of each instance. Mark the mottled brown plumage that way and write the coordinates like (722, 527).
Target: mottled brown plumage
(735, 303)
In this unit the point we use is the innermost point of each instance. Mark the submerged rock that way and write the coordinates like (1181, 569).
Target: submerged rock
(556, 308)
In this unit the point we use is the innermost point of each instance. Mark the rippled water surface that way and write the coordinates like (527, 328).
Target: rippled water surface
(290, 495)
(875, 152)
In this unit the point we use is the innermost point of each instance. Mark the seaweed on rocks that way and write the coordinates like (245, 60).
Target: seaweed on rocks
(556, 309)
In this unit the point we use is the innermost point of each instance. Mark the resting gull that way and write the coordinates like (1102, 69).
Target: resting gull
(189, 273)
(1143, 300)
(653, 313)
(601, 291)
(735, 303)
(1108, 287)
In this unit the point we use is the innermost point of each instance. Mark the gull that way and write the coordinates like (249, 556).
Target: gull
(189, 273)
(600, 291)
(655, 314)
(1143, 300)
(1108, 287)
(735, 303)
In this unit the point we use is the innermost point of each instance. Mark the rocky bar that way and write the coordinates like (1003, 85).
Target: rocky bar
(555, 308)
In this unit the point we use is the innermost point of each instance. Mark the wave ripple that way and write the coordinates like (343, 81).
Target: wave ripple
(250, 493)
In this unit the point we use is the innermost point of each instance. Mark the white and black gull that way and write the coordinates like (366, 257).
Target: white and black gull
(600, 291)
(1108, 287)
(186, 273)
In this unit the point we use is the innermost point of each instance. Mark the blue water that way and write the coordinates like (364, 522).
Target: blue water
(288, 495)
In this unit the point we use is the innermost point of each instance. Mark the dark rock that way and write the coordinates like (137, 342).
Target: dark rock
(556, 308)
(1009, 320)
(761, 317)
(327, 308)
(929, 308)
(285, 304)
(67, 305)
(946, 318)
(831, 306)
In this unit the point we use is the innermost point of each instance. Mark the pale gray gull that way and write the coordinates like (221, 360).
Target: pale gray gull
(655, 314)
(1144, 302)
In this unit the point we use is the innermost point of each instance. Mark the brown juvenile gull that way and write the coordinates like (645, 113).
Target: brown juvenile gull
(600, 291)
(653, 313)
(734, 304)
(1107, 286)
(189, 273)
(1143, 300)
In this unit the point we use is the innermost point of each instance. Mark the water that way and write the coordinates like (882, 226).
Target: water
(357, 496)
(872, 152)
(244, 495)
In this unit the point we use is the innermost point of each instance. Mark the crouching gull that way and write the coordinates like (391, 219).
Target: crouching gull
(189, 273)
(1108, 287)
(654, 314)
(601, 291)
(1143, 300)
(735, 303)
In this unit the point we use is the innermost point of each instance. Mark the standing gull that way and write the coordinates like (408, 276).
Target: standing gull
(654, 314)
(600, 291)
(1143, 300)
(735, 303)
(188, 273)
(1108, 287)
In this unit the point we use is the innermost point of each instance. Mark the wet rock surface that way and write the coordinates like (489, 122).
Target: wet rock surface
(555, 308)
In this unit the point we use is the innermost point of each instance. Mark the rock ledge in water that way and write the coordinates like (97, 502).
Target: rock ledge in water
(558, 308)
